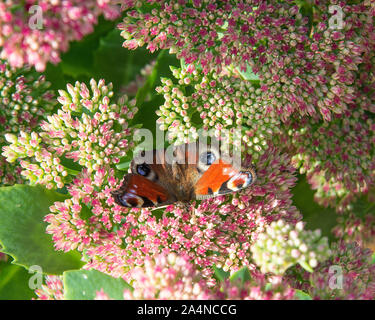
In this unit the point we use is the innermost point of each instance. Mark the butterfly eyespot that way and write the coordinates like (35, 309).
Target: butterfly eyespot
(131, 201)
(207, 158)
(146, 171)
(240, 181)
(143, 169)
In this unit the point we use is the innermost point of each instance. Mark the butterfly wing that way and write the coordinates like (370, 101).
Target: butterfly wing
(137, 191)
(174, 169)
(149, 184)
(163, 182)
(222, 178)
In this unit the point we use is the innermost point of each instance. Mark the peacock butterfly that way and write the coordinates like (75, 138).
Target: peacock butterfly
(192, 172)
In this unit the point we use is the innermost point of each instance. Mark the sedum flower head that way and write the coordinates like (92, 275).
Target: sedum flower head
(355, 228)
(217, 103)
(24, 100)
(171, 277)
(52, 289)
(282, 245)
(337, 156)
(88, 129)
(218, 231)
(168, 277)
(259, 287)
(90, 218)
(303, 66)
(176, 277)
(24, 42)
(348, 275)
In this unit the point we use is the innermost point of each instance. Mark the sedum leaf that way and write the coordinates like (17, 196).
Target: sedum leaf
(300, 295)
(23, 230)
(14, 282)
(84, 284)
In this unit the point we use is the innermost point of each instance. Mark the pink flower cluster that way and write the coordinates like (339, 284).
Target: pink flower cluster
(52, 289)
(25, 98)
(348, 275)
(172, 276)
(168, 277)
(90, 217)
(260, 287)
(304, 66)
(338, 157)
(221, 102)
(283, 245)
(352, 227)
(21, 43)
(175, 277)
(89, 129)
(217, 231)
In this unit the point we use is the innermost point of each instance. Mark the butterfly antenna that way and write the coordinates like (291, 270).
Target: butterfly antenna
(161, 207)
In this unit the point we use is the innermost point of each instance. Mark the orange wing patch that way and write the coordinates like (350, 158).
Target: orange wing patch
(138, 191)
(214, 177)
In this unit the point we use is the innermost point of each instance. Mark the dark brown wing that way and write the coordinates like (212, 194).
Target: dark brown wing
(173, 168)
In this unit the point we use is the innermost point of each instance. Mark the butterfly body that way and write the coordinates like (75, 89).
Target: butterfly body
(191, 172)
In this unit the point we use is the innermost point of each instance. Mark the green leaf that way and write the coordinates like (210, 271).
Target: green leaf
(315, 216)
(117, 65)
(248, 74)
(147, 113)
(84, 284)
(72, 167)
(362, 206)
(123, 165)
(23, 231)
(220, 274)
(144, 91)
(111, 61)
(306, 266)
(14, 282)
(242, 275)
(78, 61)
(300, 295)
(55, 76)
(147, 99)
